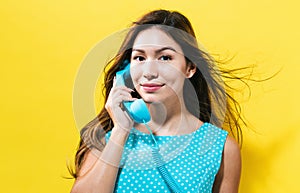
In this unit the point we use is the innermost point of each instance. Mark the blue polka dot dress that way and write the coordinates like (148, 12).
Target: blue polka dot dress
(192, 160)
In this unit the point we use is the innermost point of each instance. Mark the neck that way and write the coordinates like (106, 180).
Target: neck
(170, 118)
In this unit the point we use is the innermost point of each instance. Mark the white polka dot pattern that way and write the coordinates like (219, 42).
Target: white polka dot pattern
(193, 168)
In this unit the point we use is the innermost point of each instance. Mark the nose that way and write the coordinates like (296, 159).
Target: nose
(150, 70)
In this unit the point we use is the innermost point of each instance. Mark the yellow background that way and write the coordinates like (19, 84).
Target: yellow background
(44, 42)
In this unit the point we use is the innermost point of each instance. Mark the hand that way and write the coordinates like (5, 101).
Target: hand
(113, 106)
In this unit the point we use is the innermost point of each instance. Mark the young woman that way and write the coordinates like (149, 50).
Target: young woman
(182, 148)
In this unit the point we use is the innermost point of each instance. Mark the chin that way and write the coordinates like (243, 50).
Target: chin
(153, 99)
(150, 99)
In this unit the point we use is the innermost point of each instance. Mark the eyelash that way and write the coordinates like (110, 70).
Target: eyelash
(167, 58)
(136, 58)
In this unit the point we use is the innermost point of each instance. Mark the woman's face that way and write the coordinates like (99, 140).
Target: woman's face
(158, 66)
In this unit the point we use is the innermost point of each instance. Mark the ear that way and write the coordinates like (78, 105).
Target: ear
(190, 70)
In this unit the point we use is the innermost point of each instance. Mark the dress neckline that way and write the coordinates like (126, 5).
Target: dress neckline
(138, 132)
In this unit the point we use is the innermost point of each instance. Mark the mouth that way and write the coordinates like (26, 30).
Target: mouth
(151, 87)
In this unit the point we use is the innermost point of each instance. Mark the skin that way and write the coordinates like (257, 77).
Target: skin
(156, 60)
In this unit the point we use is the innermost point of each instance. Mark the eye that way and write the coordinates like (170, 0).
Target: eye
(138, 58)
(165, 58)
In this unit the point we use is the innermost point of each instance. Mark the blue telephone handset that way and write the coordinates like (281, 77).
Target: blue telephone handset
(137, 109)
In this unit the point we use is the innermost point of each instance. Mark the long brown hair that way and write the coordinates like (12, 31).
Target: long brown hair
(206, 82)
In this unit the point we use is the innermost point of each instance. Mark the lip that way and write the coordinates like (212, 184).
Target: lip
(151, 87)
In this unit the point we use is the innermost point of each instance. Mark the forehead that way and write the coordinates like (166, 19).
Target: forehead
(154, 37)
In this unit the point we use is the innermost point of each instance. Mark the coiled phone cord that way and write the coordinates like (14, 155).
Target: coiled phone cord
(173, 186)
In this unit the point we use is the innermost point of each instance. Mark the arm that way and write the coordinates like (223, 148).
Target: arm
(228, 178)
(99, 170)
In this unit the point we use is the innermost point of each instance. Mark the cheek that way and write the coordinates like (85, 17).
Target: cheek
(173, 72)
(135, 72)
(176, 76)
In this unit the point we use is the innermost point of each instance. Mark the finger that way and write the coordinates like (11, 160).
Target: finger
(123, 94)
(119, 93)
(123, 87)
(114, 81)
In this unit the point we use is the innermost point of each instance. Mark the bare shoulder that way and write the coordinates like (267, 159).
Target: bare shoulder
(232, 150)
(228, 177)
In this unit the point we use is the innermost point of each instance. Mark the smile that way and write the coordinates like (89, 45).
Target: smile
(151, 87)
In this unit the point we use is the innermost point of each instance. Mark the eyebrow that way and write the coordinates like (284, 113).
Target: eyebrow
(156, 51)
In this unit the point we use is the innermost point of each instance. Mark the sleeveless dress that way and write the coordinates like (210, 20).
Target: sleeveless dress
(193, 160)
